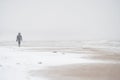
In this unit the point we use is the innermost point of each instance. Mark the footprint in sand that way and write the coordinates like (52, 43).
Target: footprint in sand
(39, 62)
(0, 65)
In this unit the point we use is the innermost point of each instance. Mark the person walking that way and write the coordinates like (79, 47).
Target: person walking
(19, 39)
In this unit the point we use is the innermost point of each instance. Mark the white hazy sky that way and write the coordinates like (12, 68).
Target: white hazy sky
(60, 19)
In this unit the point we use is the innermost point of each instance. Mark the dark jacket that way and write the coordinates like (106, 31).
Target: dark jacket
(19, 38)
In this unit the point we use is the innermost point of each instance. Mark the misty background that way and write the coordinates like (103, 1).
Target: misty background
(60, 19)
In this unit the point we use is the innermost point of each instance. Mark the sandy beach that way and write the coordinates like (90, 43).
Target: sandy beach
(89, 71)
(59, 62)
(81, 72)
(59, 39)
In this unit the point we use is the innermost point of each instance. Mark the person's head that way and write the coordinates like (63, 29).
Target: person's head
(19, 33)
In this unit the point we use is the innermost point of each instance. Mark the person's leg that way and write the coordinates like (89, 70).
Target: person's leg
(19, 43)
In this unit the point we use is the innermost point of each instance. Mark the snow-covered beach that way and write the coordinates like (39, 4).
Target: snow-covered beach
(60, 60)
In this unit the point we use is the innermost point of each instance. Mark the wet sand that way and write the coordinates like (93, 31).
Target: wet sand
(85, 71)
(81, 72)
(104, 55)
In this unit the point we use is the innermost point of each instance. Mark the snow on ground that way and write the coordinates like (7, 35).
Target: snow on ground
(15, 63)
